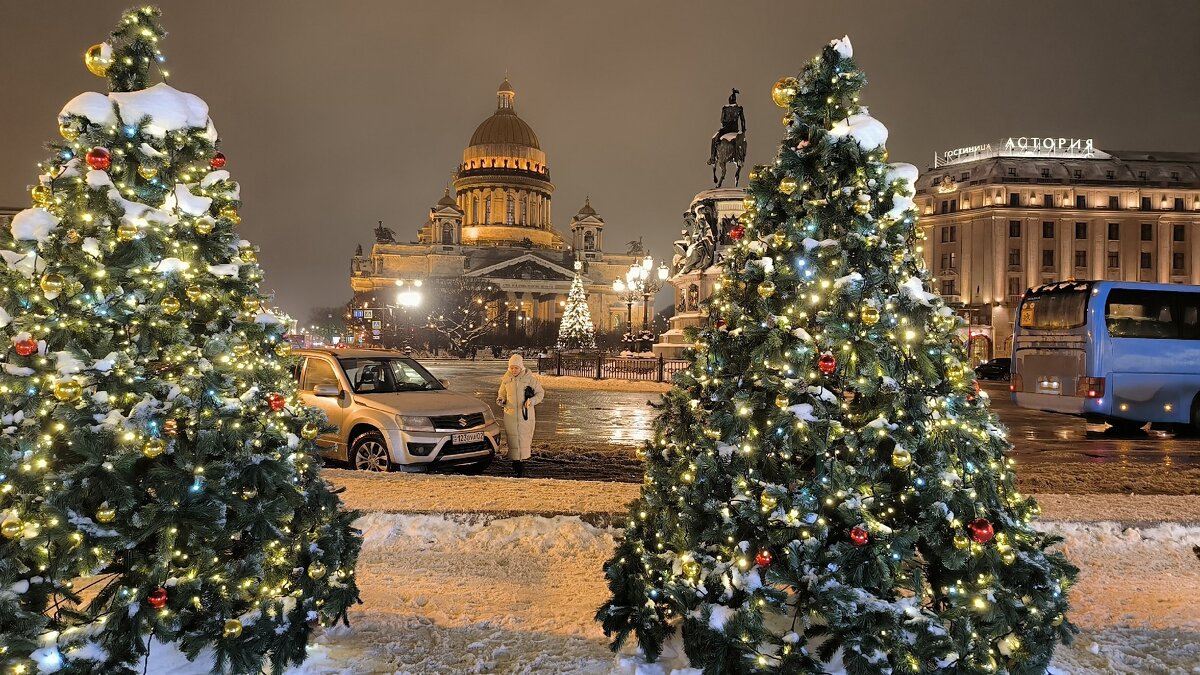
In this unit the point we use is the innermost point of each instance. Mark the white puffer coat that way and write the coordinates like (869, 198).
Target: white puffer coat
(512, 396)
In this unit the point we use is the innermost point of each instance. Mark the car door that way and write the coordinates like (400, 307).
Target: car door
(318, 371)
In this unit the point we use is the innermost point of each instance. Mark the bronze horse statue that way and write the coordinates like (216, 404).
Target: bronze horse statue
(731, 147)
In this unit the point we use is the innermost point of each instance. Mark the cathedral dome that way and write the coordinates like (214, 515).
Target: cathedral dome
(505, 141)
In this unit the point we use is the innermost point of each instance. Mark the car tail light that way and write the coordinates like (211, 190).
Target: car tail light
(1090, 387)
(1016, 382)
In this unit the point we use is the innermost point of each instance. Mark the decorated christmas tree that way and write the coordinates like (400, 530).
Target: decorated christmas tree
(827, 487)
(158, 488)
(576, 330)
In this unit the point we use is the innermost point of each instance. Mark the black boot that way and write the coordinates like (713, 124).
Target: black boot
(519, 468)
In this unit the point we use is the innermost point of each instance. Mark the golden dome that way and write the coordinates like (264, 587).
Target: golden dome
(504, 126)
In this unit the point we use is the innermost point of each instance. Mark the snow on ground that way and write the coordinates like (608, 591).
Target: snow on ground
(516, 595)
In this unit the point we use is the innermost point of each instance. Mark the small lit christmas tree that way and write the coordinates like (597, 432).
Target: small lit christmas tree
(158, 487)
(827, 487)
(576, 330)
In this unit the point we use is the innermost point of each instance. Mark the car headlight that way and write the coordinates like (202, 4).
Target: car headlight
(488, 415)
(414, 423)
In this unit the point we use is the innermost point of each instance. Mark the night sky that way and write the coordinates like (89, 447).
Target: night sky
(335, 115)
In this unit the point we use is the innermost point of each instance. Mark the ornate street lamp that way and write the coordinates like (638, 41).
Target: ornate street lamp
(629, 295)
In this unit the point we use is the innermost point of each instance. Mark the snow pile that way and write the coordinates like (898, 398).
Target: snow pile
(34, 224)
(867, 131)
(168, 109)
(843, 47)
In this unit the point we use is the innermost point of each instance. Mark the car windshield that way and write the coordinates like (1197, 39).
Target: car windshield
(384, 375)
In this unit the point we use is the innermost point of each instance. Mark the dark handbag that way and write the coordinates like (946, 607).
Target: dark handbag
(528, 394)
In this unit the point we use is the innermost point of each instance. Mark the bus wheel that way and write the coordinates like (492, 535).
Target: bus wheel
(1126, 426)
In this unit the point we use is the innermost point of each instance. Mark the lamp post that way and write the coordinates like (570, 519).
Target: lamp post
(641, 282)
(629, 295)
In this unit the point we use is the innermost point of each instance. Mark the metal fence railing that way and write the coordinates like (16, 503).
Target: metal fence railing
(607, 367)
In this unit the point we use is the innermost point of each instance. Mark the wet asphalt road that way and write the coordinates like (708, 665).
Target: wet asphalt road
(588, 434)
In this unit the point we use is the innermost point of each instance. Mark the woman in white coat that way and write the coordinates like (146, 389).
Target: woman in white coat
(519, 392)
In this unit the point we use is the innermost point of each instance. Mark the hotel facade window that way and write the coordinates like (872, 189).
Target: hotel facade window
(1136, 223)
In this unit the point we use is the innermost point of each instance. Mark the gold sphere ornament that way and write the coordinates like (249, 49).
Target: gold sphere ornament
(309, 431)
(106, 513)
(782, 401)
(127, 231)
(147, 171)
(249, 493)
(862, 208)
(691, 568)
(251, 304)
(784, 91)
(787, 185)
(870, 315)
(193, 292)
(283, 349)
(248, 255)
(68, 130)
(788, 120)
(42, 194)
(316, 570)
(98, 59)
(12, 527)
(52, 283)
(747, 202)
(67, 390)
(961, 542)
(229, 213)
(241, 349)
(153, 448)
(232, 629)
(956, 371)
(203, 226)
(901, 458)
(766, 289)
(170, 305)
(1007, 555)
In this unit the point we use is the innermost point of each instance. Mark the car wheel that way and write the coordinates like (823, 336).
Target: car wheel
(369, 453)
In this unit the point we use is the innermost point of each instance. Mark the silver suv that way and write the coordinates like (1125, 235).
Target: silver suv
(392, 413)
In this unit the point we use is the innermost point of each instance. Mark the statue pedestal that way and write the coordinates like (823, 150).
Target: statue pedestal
(694, 287)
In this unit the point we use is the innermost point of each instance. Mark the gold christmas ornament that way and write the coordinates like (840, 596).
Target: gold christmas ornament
(782, 401)
(68, 130)
(98, 59)
(42, 195)
(766, 289)
(870, 315)
(232, 629)
(170, 305)
(309, 431)
(52, 283)
(283, 349)
(1007, 555)
(784, 91)
(316, 570)
(788, 120)
(241, 349)
(778, 238)
(862, 208)
(193, 292)
(747, 202)
(787, 185)
(691, 568)
(67, 390)
(106, 513)
(229, 213)
(72, 236)
(170, 427)
(961, 542)
(767, 501)
(147, 171)
(901, 458)
(251, 304)
(127, 232)
(153, 448)
(249, 493)
(203, 226)
(956, 371)
(248, 255)
(12, 527)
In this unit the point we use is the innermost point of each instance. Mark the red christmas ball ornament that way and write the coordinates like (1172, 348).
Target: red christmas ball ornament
(764, 558)
(217, 161)
(981, 530)
(827, 363)
(720, 324)
(737, 232)
(859, 535)
(157, 598)
(99, 158)
(26, 347)
(276, 401)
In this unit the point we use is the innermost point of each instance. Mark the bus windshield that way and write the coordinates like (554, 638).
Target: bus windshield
(1058, 307)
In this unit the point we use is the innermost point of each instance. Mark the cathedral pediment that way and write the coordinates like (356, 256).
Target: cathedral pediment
(527, 266)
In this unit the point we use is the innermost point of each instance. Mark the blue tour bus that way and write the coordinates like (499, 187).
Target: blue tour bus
(1121, 352)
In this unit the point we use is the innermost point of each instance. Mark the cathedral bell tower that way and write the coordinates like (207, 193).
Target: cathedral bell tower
(587, 233)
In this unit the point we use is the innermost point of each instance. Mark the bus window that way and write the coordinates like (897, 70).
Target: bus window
(1055, 309)
(1133, 313)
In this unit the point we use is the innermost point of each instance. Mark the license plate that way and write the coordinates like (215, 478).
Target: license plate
(473, 437)
(1049, 386)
